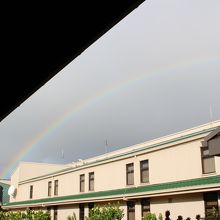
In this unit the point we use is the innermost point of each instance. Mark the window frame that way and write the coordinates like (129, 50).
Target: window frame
(31, 191)
(82, 181)
(49, 192)
(144, 169)
(56, 185)
(130, 209)
(81, 211)
(91, 180)
(145, 201)
(55, 213)
(129, 172)
(206, 157)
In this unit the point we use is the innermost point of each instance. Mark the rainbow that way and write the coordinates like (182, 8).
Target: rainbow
(75, 110)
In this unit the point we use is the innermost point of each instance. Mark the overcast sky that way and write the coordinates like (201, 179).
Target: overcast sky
(155, 73)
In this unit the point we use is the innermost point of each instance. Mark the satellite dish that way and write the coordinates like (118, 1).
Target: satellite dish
(11, 190)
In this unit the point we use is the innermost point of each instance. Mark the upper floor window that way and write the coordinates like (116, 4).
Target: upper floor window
(144, 171)
(130, 174)
(82, 183)
(91, 181)
(56, 187)
(49, 188)
(208, 162)
(31, 191)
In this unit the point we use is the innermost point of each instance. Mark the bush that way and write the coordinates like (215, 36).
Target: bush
(152, 216)
(27, 215)
(106, 212)
(214, 215)
(72, 217)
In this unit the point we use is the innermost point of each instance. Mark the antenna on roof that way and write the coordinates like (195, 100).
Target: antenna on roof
(62, 153)
(106, 146)
(210, 115)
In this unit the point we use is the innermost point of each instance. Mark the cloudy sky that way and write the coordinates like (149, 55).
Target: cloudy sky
(155, 73)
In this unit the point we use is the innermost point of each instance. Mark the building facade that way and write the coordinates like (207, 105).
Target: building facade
(178, 172)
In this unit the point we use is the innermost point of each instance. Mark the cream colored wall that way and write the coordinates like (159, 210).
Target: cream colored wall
(179, 162)
(65, 211)
(217, 165)
(185, 205)
(30, 170)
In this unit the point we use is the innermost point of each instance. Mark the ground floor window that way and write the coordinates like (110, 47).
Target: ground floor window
(49, 210)
(55, 213)
(131, 210)
(90, 206)
(145, 206)
(81, 212)
(211, 201)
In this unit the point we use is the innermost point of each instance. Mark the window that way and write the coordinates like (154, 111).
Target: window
(56, 187)
(31, 191)
(90, 206)
(49, 188)
(144, 171)
(211, 201)
(55, 213)
(130, 174)
(91, 181)
(81, 212)
(49, 210)
(82, 183)
(145, 206)
(208, 162)
(131, 210)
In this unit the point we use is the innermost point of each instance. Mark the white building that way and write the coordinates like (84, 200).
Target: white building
(179, 172)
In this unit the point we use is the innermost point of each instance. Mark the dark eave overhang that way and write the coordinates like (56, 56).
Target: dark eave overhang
(39, 39)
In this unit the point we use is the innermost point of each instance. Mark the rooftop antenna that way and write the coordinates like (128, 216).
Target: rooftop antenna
(62, 153)
(106, 146)
(211, 116)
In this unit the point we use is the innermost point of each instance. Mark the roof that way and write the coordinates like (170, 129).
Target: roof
(211, 136)
(154, 188)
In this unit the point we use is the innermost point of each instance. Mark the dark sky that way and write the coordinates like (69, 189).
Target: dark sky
(155, 73)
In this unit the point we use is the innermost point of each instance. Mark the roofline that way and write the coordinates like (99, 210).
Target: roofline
(120, 156)
(177, 186)
(210, 136)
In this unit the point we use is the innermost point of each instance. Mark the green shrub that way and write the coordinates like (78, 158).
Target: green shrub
(152, 216)
(26, 215)
(73, 217)
(106, 212)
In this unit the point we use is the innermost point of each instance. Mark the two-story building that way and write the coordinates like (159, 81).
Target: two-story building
(178, 172)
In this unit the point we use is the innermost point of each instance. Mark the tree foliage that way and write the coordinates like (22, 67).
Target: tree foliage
(106, 212)
(24, 215)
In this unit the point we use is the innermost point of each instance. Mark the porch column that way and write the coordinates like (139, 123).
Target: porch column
(138, 209)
